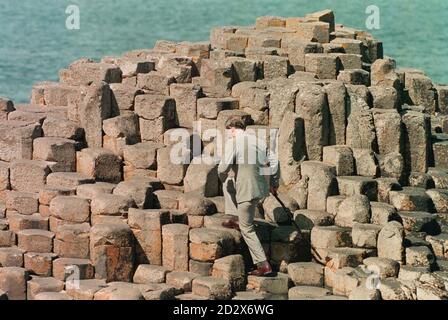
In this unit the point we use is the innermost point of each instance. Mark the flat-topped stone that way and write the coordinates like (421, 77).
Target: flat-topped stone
(273, 285)
(43, 284)
(85, 289)
(382, 213)
(70, 208)
(365, 235)
(306, 292)
(114, 291)
(439, 198)
(148, 273)
(321, 184)
(7, 238)
(439, 176)
(325, 237)
(420, 256)
(210, 244)
(346, 257)
(383, 267)
(189, 297)
(35, 240)
(39, 263)
(391, 241)
(212, 288)
(19, 222)
(49, 193)
(411, 199)
(248, 295)
(13, 281)
(55, 296)
(363, 293)
(89, 191)
(439, 244)
(357, 185)
(307, 219)
(181, 279)
(420, 222)
(111, 205)
(306, 274)
(11, 257)
(68, 180)
(353, 209)
(22, 202)
(64, 268)
(100, 164)
(411, 273)
(29, 175)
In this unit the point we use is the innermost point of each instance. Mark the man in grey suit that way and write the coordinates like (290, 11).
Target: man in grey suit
(255, 175)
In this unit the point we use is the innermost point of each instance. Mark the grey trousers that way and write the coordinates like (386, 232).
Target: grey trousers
(246, 214)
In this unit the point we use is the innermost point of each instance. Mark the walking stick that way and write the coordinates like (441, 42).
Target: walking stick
(291, 217)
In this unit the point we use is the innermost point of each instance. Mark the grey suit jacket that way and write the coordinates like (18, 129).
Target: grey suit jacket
(255, 171)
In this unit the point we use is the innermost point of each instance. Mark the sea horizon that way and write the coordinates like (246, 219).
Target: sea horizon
(36, 43)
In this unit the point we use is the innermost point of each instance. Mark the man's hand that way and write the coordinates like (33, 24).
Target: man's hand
(273, 190)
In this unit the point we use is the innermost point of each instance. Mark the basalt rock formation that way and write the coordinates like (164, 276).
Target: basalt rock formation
(93, 207)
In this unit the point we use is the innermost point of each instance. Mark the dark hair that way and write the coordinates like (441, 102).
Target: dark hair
(235, 122)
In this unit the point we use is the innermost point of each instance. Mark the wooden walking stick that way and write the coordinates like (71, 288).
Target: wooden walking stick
(291, 217)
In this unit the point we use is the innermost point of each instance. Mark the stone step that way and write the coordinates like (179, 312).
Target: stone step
(35, 240)
(439, 245)
(85, 289)
(348, 257)
(22, 202)
(59, 150)
(306, 274)
(11, 257)
(89, 191)
(72, 241)
(13, 281)
(39, 263)
(37, 285)
(439, 198)
(382, 213)
(365, 235)
(208, 245)
(56, 296)
(307, 219)
(249, 295)
(70, 268)
(307, 292)
(181, 280)
(69, 180)
(440, 177)
(411, 199)
(344, 281)
(382, 267)
(324, 238)
(18, 222)
(277, 285)
(420, 256)
(147, 273)
(419, 221)
(212, 288)
(30, 175)
(357, 185)
(7, 238)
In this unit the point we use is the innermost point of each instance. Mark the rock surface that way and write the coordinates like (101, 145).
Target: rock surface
(108, 188)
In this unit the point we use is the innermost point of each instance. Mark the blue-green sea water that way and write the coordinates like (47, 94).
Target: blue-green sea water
(35, 44)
